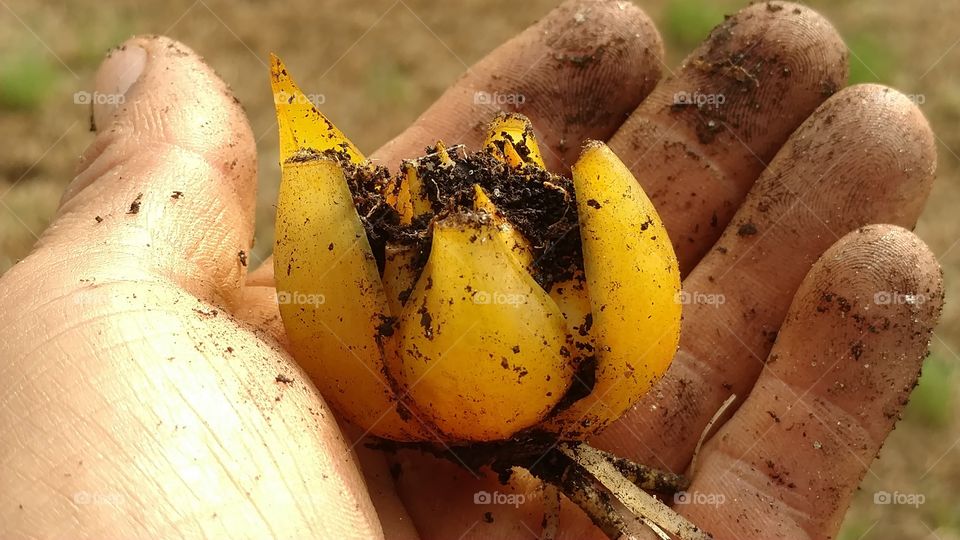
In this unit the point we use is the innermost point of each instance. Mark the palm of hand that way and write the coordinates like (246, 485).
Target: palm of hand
(143, 363)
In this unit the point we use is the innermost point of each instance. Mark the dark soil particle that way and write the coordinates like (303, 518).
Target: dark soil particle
(747, 229)
(426, 321)
(583, 382)
(135, 205)
(385, 328)
(856, 350)
(587, 324)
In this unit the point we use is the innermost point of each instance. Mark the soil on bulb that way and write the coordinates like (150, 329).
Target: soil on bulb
(539, 204)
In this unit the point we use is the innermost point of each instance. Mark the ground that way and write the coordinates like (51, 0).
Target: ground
(373, 84)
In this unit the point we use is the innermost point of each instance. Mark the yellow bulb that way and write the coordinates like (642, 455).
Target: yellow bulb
(301, 124)
(331, 299)
(516, 244)
(468, 346)
(480, 348)
(632, 281)
(511, 135)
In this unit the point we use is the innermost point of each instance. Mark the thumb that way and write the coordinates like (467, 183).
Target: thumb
(167, 189)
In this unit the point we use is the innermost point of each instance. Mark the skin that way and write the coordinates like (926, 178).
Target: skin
(145, 390)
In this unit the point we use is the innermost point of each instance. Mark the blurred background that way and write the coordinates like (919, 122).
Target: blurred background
(380, 63)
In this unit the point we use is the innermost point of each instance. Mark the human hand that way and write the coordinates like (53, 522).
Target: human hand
(145, 321)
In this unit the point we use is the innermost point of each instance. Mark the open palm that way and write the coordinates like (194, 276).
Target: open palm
(145, 389)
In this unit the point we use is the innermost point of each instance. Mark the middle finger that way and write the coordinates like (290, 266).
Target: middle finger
(865, 156)
(705, 133)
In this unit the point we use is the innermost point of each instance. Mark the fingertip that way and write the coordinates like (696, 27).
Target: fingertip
(872, 301)
(835, 383)
(170, 179)
(704, 135)
(119, 71)
(155, 90)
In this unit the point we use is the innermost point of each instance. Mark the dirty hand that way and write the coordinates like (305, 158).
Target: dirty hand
(145, 390)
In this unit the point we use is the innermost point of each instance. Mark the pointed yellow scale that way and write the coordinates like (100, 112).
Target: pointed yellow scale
(396, 193)
(632, 278)
(515, 242)
(398, 197)
(513, 159)
(445, 159)
(330, 297)
(512, 131)
(480, 348)
(419, 203)
(399, 275)
(301, 124)
(573, 299)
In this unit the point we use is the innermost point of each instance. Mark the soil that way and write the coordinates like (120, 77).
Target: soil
(539, 204)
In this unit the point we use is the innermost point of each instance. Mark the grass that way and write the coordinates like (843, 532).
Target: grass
(870, 61)
(27, 80)
(386, 84)
(931, 403)
(684, 23)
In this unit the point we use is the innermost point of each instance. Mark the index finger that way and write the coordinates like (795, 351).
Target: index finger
(576, 74)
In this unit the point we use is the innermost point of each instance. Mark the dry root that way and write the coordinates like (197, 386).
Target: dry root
(594, 480)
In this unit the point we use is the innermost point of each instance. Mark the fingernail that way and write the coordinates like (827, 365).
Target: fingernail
(119, 71)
